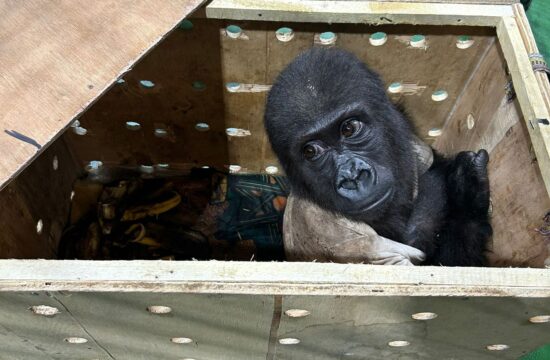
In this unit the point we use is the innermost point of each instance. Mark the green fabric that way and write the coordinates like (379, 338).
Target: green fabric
(539, 18)
(542, 353)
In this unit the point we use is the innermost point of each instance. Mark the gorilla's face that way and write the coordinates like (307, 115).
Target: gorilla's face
(340, 162)
(340, 140)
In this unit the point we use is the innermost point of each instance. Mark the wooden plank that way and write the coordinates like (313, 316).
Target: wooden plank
(371, 12)
(58, 57)
(519, 201)
(118, 326)
(173, 104)
(270, 278)
(361, 328)
(528, 92)
(41, 193)
(236, 327)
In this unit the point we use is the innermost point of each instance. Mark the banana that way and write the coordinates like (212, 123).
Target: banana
(143, 211)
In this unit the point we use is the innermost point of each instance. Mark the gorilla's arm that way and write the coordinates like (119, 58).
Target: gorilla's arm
(429, 212)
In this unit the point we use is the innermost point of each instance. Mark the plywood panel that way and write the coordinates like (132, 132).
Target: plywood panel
(41, 193)
(174, 104)
(58, 57)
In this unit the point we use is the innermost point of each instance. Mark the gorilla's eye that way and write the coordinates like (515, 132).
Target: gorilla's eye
(311, 151)
(350, 127)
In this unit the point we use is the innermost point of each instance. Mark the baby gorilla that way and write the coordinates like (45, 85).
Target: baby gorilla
(346, 147)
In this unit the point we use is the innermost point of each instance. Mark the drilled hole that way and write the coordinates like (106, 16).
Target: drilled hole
(497, 347)
(284, 34)
(439, 95)
(76, 340)
(202, 126)
(424, 316)
(399, 343)
(39, 227)
(233, 169)
(539, 319)
(289, 341)
(159, 309)
(44, 310)
(181, 340)
(296, 313)
(133, 125)
(148, 84)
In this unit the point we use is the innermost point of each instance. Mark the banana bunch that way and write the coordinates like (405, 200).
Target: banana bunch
(143, 211)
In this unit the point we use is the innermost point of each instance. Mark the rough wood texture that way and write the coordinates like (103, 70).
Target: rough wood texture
(43, 193)
(270, 278)
(528, 90)
(236, 327)
(58, 57)
(173, 104)
(255, 58)
(519, 201)
(371, 12)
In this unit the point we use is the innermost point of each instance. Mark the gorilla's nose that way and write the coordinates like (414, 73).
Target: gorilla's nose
(353, 173)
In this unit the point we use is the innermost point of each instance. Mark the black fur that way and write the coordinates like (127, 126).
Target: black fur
(329, 104)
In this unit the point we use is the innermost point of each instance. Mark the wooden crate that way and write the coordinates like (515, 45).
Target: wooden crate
(63, 62)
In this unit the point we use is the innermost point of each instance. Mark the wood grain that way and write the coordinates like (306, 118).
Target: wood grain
(58, 57)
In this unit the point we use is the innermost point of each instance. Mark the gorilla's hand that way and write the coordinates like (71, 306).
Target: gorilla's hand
(468, 182)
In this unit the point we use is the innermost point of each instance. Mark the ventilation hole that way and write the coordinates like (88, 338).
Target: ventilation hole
(80, 130)
(93, 166)
(146, 169)
(418, 41)
(181, 340)
(289, 341)
(233, 31)
(55, 163)
(395, 88)
(543, 121)
(399, 343)
(237, 132)
(202, 127)
(162, 166)
(439, 95)
(296, 313)
(378, 39)
(148, 84)
(186, 25)
(327, 38)
(120, 81)
(539, 319)
(464, 42)
(76, 340)
(198, 85)
(233, 86)
(424, 316)
(159, 309)
(497, 347)
(39, 227)
(459, 20)
(44, 310)
(470, 122)
(160, 132)
(233, 169)
(132, 125)
(435, 132)
(284, 34)
(272, 170)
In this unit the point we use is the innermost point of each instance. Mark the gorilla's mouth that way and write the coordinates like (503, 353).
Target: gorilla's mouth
(372, 205)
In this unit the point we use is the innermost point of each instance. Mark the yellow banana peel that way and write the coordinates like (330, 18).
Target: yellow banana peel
(143, 211)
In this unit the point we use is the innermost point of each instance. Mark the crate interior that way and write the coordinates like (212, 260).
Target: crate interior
(155, 116)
